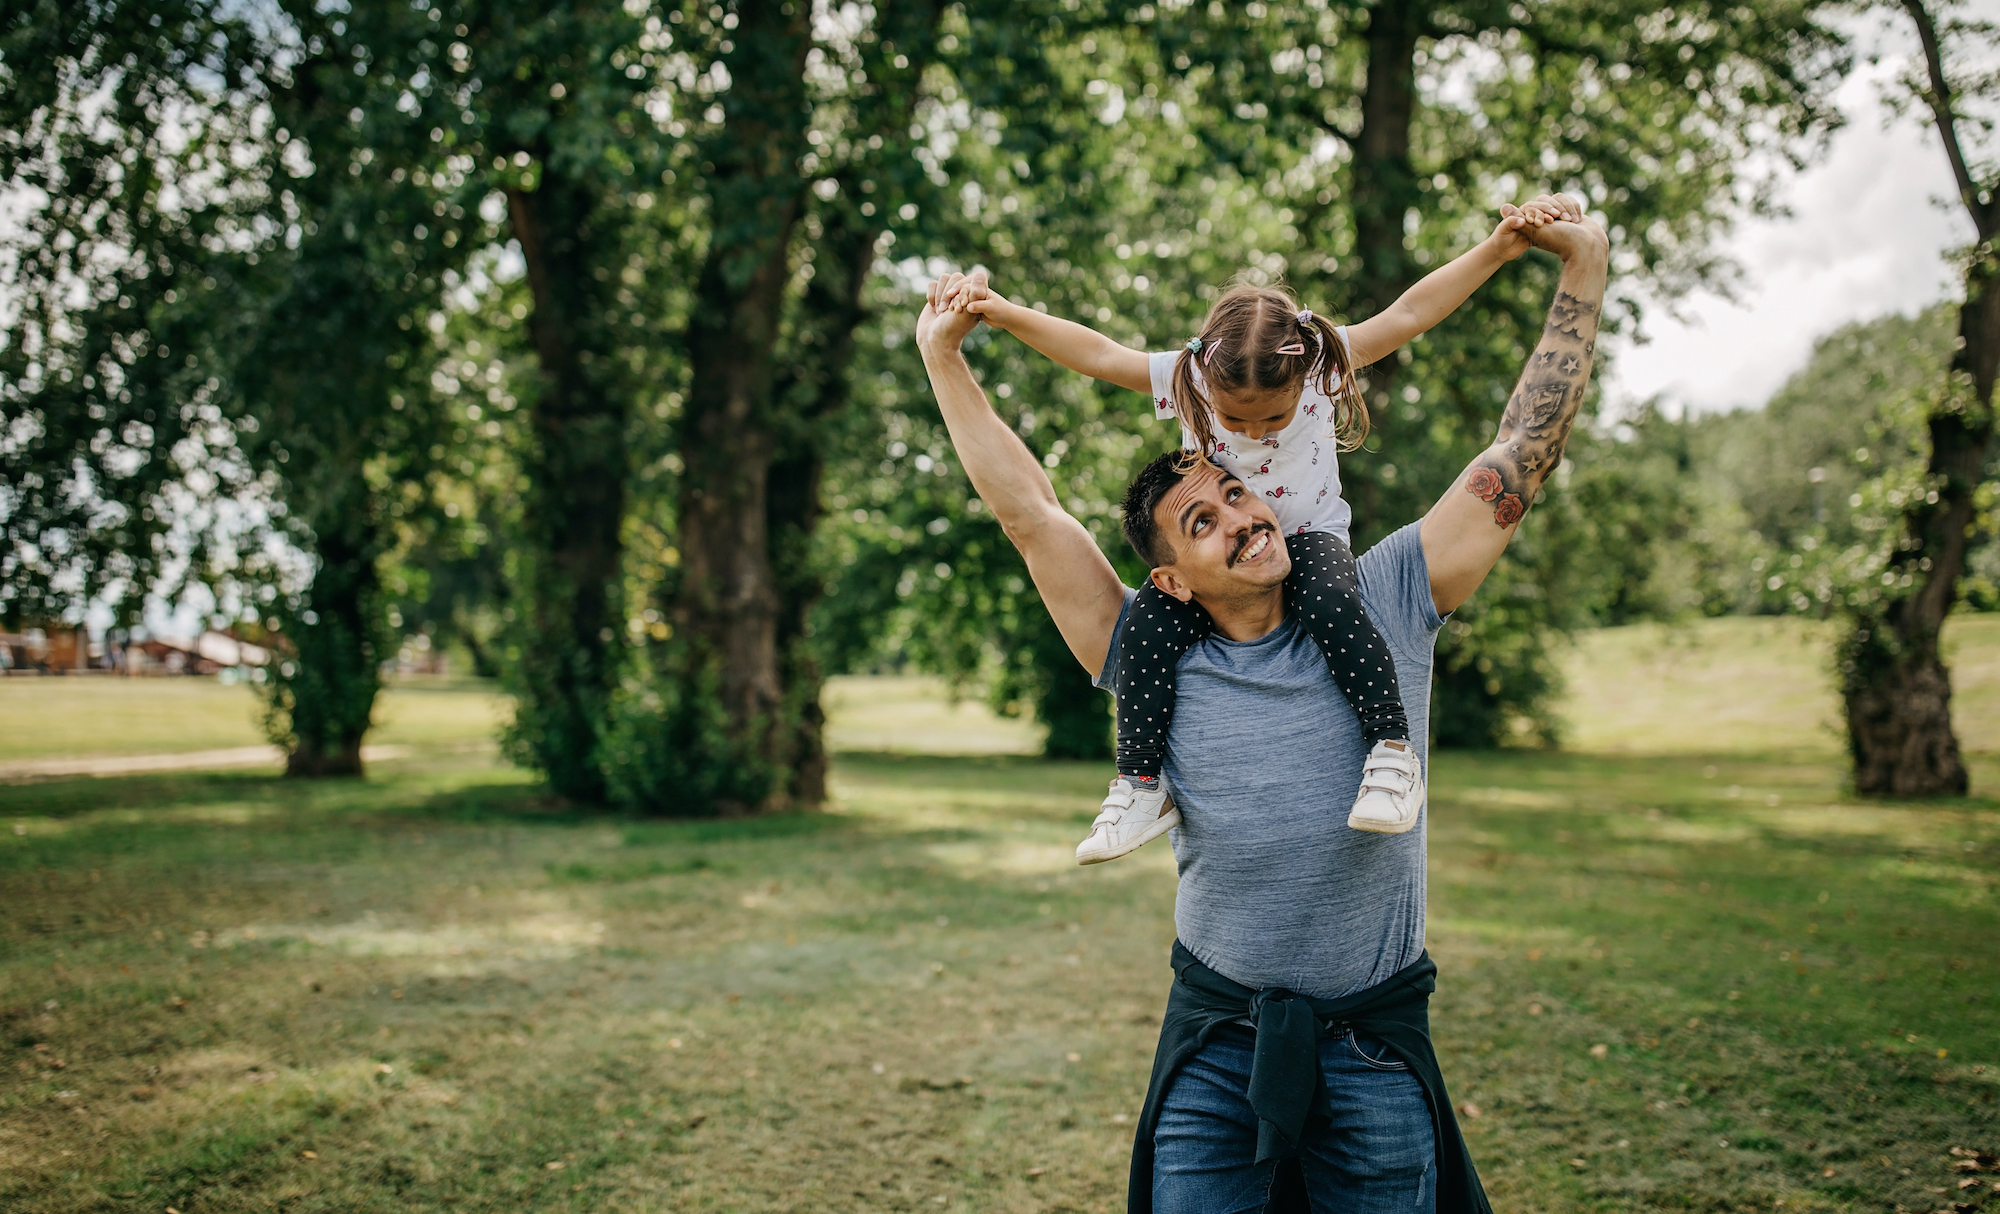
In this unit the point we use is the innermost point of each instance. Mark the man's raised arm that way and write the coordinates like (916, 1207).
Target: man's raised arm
(1471, 525)
(1077, 583)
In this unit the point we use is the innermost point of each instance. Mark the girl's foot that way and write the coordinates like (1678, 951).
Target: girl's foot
(1133, 815)
(1392, 790)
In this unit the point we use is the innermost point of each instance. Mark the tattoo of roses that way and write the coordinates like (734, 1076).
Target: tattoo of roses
(1508, 510)
(1484, 484)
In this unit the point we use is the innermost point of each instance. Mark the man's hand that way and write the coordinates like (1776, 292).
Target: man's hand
(1519, 226)
(1571, 238)
(942, 326)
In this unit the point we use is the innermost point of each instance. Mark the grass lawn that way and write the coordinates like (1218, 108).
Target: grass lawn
(1678, 973)
(64, 717)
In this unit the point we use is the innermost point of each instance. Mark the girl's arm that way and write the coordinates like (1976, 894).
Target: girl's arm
(1438, 294)
(1083, 350)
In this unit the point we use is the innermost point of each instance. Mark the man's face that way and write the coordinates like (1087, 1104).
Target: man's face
(1225, 539)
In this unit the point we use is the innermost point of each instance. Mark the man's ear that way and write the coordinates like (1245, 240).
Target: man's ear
(1170, 583)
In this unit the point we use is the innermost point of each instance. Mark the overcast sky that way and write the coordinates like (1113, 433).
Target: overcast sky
(1866, 237)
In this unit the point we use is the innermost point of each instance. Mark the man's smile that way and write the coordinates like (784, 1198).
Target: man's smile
(1253, 545)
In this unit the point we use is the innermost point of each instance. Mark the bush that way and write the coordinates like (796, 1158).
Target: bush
(666, 749)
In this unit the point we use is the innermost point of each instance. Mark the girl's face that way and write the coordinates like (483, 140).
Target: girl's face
(1254, 413)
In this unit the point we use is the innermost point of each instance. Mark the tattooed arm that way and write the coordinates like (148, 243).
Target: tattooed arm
(1468, 529)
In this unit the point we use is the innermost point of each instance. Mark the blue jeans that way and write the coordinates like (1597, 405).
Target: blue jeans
(1377, 1155)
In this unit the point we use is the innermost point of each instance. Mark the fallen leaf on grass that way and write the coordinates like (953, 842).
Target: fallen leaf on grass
(308, 1154)
(554, 1165)
(1828, 1173)
(696, 1120)
(1600, 1051)
(1970, 1182)
(1470, 1109)
(1034, 1172)
(1577, 1163)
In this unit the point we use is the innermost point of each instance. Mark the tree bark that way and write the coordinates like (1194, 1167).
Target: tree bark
(1896, 686)
(329, 697)
(1384, 190)
(576, 496)
(815, 388)
(728, 606)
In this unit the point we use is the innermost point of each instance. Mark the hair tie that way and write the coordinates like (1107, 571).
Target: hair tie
(1194, 345)
(1305, 317)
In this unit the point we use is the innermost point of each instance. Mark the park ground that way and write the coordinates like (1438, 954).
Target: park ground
(1682, 967)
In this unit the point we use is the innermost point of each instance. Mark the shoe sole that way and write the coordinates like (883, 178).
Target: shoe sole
(1161, 825)
(1382, 828)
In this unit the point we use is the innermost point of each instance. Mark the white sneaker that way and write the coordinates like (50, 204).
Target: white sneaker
(1392, 790)
(1130, 818)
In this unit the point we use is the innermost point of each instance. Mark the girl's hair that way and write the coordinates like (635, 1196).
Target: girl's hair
(1259, 338)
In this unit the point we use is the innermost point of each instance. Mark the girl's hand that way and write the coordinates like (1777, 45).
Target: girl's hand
(1515, 233)
(1555, 209)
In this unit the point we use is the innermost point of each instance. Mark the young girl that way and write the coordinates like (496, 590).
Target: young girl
(1267, 391)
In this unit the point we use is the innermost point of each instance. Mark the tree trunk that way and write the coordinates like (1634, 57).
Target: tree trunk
(576, 497)
(815, 389)
(1384, 190)
(728, 608)
(1897, 689)
(325, 704)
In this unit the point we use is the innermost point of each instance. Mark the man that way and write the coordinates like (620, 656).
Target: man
(1296, 1032)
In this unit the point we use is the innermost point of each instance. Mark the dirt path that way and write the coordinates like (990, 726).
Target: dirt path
(193, 760)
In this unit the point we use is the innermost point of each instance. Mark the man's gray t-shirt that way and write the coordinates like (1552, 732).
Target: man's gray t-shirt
(1264, 759)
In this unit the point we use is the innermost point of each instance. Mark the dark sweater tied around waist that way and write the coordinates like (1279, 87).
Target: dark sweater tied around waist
(1286, 1087)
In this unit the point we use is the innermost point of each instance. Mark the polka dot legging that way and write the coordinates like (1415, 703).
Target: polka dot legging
(1323, 592)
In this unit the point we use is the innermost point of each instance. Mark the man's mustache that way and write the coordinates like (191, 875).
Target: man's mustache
(1243, 541)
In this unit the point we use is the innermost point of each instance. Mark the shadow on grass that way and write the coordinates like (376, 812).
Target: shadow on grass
(62, 797)
(1027, 772)
(505, 801)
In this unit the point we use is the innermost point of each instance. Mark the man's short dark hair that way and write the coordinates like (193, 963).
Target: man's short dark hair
(1154, 482)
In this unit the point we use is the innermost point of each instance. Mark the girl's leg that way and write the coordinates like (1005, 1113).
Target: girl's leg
(1324, 592)
(1158, 631)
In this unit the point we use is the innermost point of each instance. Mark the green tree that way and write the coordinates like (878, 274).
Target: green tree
(138, 160)
(1893, 678)
(254, 335)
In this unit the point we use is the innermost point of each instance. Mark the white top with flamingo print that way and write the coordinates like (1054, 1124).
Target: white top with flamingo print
(1296, 470)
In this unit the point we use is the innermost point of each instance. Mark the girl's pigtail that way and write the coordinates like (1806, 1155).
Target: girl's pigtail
(1189, 403)
(1334, 374)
